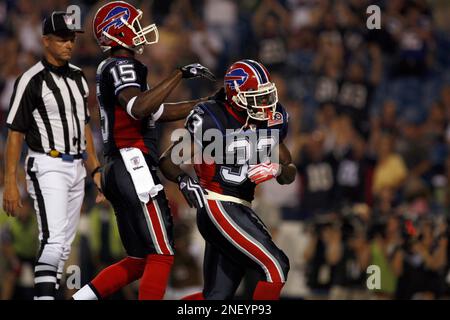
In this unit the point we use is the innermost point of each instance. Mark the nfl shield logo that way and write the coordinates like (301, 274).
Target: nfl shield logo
(277, 118)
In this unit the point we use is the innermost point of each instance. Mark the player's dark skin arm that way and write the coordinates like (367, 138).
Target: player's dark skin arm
(288, 169)
(148, 102)
(179, 110)
(170, 170)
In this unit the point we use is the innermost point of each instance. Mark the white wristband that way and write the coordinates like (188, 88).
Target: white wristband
(130, 106)
(158, 113)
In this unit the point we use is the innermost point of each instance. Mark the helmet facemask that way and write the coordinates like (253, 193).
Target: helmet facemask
(260, 104)
(141, 34)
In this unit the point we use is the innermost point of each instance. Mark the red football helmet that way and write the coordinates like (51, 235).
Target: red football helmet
(117, 24)
(248, 86)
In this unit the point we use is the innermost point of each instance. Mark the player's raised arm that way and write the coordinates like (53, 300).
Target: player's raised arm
(177, 111)
(143, 104)
(180, 110)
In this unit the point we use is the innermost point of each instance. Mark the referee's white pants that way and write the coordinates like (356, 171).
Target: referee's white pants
(57, 188)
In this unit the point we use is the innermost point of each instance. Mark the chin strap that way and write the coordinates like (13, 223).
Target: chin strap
(245, 125)
(139, 49)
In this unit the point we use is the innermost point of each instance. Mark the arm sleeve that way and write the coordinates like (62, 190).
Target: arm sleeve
(21, 107)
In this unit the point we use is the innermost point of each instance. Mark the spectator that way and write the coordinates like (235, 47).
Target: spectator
(317, 170)
(414, 147)
(271, 23)
(356, 90)
(424, 265)
(206, 45)
(415, 43)
(350, 278)
(387, 120)
(322, 255)
(390, 170)
(353, 174)
(386, 253)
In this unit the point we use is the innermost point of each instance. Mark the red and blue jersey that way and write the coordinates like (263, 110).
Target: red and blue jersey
(222, 176)
(119, 129)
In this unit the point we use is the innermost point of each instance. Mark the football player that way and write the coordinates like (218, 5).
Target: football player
(236, 238)
(129, 110)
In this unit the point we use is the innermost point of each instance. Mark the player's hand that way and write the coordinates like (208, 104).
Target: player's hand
(11, 199)
(259, 173)
(192, 191)
(197, 70)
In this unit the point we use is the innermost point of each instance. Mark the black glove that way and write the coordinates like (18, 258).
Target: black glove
(197, 70)
(219, 95)
(192, 191)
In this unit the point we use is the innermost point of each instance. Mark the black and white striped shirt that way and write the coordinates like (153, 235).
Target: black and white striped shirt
(49, 105)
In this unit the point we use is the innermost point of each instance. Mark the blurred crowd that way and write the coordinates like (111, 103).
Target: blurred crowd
(369, 134)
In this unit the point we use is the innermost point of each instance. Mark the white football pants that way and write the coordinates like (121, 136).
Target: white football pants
(57, 188)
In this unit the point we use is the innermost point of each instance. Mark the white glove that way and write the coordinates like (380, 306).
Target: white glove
(264, 171)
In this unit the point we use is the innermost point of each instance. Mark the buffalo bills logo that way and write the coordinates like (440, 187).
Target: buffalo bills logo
(237, 75)
(113, 18)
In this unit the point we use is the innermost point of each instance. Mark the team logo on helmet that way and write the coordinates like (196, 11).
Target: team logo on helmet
(113, 19)
(238, 76)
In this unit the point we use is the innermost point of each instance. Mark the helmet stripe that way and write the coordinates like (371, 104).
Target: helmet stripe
(263, 70)
(254, 70)
(259, 69)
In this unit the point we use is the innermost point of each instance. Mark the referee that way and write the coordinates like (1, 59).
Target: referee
(48, 109)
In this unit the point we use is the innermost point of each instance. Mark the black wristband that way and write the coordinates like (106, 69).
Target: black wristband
(95, 171)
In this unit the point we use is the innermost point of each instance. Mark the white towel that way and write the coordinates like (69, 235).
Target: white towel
(140, 174)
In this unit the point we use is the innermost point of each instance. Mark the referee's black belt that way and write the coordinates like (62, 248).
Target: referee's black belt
(67, 157)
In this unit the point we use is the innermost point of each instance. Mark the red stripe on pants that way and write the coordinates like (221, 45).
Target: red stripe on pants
(250, 247)
(157, 227)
